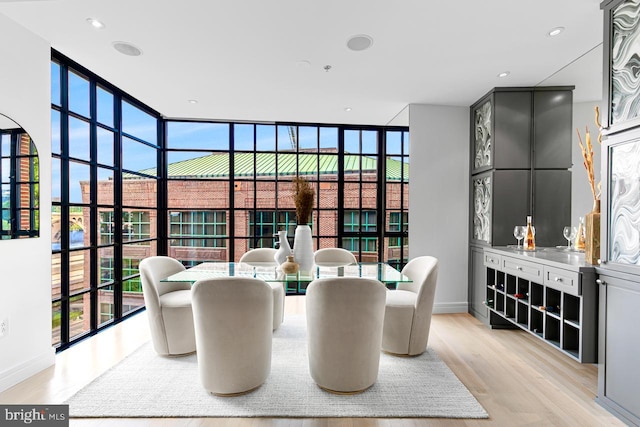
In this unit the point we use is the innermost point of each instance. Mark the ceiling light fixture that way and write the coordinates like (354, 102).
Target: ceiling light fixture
(98, 25)
(555, 31)
(193, 101)
(347, 109)
(359, 42)
(127, 48)
(504, 74)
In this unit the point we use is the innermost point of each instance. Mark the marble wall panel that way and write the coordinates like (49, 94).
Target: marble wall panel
(625, 62)
(482, 208)
(483, 137)
(624, 206)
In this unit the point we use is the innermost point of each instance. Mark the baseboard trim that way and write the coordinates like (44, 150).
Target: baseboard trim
(26, 369)
(450, 307)
(618, 411)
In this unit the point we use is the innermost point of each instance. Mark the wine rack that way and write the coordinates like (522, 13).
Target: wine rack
(549, 293)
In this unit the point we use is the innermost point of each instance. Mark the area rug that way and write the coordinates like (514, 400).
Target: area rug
(147, 385)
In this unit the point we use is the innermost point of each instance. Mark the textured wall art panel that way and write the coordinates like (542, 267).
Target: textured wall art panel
(483, 137)
(625, 62)
(624, 211)
(482, 209)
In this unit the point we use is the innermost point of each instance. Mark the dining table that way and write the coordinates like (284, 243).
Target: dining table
(295, 284)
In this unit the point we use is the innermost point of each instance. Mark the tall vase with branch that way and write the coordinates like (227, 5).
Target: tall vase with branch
(592, 219)
(304, 197)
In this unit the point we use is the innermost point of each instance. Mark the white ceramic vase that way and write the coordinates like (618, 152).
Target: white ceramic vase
(303, 248)
(284, 249)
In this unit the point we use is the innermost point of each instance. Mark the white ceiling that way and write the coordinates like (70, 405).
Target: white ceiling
(240, 58)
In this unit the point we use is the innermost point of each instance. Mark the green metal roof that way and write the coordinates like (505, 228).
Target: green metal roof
(217, 165)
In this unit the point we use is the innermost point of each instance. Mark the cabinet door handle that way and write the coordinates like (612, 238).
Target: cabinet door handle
(491, 260)
(518, 268)
(601, 282)
(558, 279)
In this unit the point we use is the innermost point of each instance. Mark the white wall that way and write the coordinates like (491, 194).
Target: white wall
(581, 197)
(25, 264)
(439, 197)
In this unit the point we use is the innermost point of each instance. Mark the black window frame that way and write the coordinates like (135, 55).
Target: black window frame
(158, 238)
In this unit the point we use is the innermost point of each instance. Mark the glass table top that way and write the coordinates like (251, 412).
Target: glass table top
(271, 273)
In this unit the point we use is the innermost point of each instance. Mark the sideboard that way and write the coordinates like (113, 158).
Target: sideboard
(550, 293)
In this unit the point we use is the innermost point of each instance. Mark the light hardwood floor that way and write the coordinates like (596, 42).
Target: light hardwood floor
(519, 380)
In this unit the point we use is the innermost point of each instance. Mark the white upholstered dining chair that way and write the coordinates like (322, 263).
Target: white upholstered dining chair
(233, 317)
(168, 306)
(333, 257)
(344, 323)
(262, 257)
(408, 310)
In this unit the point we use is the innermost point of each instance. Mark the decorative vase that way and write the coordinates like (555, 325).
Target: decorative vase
(284, 249)
(303, 248)
(289, 266)
(592, 238)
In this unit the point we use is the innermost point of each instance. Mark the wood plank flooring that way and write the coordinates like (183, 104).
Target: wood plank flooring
(519, 380)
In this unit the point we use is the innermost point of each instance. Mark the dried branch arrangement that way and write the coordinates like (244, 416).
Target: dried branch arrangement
(587, 155)
(304, 196)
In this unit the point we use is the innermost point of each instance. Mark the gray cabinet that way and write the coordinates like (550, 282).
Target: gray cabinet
(553, 116)
(619, 367)
(620, 64)
(500, 201)
(477, 285)
(551, 205)
(502, 130)
(520, 155)
(522, 128)
(621, 208)
(619, 272)
(549, 293)
(520, 160)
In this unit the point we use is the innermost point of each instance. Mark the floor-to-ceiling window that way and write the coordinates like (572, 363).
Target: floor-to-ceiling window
(127, 184)
(102, 142)
(244, 171)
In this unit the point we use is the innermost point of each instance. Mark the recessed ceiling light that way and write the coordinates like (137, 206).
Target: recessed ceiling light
(504, 74)
(95, 23)
(193, 101)
(127, 48)
(555, 31)
(347, 109)
(359, 42)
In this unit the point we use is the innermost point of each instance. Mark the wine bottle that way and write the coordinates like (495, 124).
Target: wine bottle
(530, 237)
(580, 238)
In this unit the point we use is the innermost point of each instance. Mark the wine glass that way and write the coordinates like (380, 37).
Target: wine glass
(519, 232)
(569, 233)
